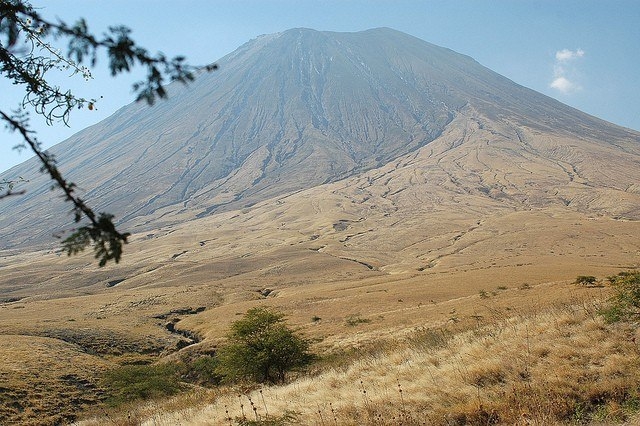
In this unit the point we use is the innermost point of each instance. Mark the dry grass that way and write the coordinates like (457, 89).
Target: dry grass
(28, 380)
(560, 365)
(357, 307)
(431, 241)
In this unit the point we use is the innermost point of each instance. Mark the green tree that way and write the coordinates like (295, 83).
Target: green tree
(28, 55)
(262, 348)
(624, 305)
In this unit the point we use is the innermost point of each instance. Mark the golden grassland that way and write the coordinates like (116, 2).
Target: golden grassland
(516, 341)
(552, 365)
(202, 276)
(41, 377)
(470, 236)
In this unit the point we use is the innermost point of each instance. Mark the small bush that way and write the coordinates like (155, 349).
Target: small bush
(625, 303)
(132, 382)
(585, 280)
(612, 313)
(353, 320)
(202, 371)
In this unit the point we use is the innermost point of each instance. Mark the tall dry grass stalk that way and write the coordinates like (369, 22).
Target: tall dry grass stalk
(559, 365)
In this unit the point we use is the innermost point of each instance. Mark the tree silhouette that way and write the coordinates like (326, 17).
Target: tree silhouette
(27, 54)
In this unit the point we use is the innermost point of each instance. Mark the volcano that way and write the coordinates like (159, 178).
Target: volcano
(295, 110)
(373, 187)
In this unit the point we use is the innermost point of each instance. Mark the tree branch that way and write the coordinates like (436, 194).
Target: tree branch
(108, 241)
(27, 67)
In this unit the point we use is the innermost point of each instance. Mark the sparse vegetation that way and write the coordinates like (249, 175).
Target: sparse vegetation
(131, 382)
(585, 280)
(625, 303)
(491, 374)
(356, 319)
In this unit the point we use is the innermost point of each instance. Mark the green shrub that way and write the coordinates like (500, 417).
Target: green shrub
(131, 382)
(261, 348)
(625, 303)
(612, 313)
(202, 371)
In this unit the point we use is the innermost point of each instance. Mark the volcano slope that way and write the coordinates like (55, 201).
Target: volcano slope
(389, 247)
(491, 186)
(286, 112)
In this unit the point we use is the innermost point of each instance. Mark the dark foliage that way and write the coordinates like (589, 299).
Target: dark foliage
(585, 279)
(262, 348)
(27, 55)
(132, 382)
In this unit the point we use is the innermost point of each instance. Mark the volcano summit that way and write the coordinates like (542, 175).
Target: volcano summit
(293, 110)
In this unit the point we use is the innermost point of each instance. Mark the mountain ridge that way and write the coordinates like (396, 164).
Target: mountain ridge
(286, 112)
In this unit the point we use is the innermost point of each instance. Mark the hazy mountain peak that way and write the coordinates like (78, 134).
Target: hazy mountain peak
(285, 112)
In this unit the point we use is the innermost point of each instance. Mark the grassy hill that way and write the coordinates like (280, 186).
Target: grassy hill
(543, 364)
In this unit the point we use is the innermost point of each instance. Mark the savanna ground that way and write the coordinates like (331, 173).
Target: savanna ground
(560, 365)
(448, 307)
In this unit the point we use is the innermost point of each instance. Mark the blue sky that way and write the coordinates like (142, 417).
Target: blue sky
(584, 53)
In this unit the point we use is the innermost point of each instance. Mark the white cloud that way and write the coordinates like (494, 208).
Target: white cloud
(567, 55)
(565, 72)
(564, 85)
